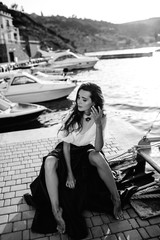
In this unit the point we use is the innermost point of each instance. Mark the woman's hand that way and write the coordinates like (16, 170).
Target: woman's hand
(97, 114)
(71, 181)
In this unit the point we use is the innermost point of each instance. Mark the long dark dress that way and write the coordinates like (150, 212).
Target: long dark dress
(89, 193)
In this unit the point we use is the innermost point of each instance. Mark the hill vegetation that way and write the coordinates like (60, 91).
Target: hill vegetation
(81, 35)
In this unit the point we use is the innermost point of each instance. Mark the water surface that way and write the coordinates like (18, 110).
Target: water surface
(131, 88)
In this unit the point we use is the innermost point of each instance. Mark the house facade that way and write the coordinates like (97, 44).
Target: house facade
(12, 48)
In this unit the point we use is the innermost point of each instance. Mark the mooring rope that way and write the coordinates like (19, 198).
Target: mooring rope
(146, 196)
(134, 150)
(149, 130)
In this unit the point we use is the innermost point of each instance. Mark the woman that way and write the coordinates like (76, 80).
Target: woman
(74, 175)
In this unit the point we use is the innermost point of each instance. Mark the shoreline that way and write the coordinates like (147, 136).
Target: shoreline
(126, 135)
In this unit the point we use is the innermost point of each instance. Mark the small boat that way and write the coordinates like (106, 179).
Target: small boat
(15, 114)
(65, 59)
(25, 88)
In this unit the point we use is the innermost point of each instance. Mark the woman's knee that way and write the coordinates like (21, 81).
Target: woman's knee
(51, 163)
(96, 158)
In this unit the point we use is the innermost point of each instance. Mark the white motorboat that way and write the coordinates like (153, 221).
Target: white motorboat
(23, 87)
(66, 60)
(13, 114)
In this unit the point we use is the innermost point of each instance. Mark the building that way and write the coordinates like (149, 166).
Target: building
(12, 48)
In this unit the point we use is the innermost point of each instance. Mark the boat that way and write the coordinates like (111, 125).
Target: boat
(65, 59)
(23, 87)
(52, 77)
(27, 64)
(15, 114)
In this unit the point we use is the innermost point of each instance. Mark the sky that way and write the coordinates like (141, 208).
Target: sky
(114, 11)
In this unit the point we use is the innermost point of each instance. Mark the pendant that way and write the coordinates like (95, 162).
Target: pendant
(88, 119)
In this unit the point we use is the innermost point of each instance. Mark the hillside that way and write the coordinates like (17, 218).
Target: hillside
(58, 32)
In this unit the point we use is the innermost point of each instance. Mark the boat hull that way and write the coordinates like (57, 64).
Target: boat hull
(40, 96)
(70, 67)
(23, 87)
(19, 120)
(75, 66)
(20, 114)
(65, 59)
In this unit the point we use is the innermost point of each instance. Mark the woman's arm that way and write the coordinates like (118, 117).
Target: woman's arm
(99, 141)
(66, 152)
(70, 178)
(100, 121)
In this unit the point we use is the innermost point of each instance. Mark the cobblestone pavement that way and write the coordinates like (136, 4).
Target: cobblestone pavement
(19, 165)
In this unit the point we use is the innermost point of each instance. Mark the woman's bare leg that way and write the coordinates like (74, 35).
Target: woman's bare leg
(51, 179)
(105, 174)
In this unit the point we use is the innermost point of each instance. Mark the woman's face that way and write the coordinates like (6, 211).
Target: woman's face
(84, 101)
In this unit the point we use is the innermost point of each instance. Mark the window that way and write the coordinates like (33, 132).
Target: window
(22, 80)
(9, 36)
(64, 57)
(7, 23)
(15, 36)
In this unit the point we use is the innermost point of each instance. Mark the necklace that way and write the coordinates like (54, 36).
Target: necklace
(87, 117)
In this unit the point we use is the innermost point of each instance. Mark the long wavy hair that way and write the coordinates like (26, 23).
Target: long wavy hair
(75, 119)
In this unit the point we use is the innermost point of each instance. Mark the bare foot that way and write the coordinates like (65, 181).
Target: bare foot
(59, 219)
(117, 211)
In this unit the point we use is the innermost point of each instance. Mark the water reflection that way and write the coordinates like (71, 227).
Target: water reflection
(56, 110)
(53, 115)
(20, 127)
(58, 105)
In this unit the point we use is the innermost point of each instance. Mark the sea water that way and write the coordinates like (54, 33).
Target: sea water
(131, 87)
